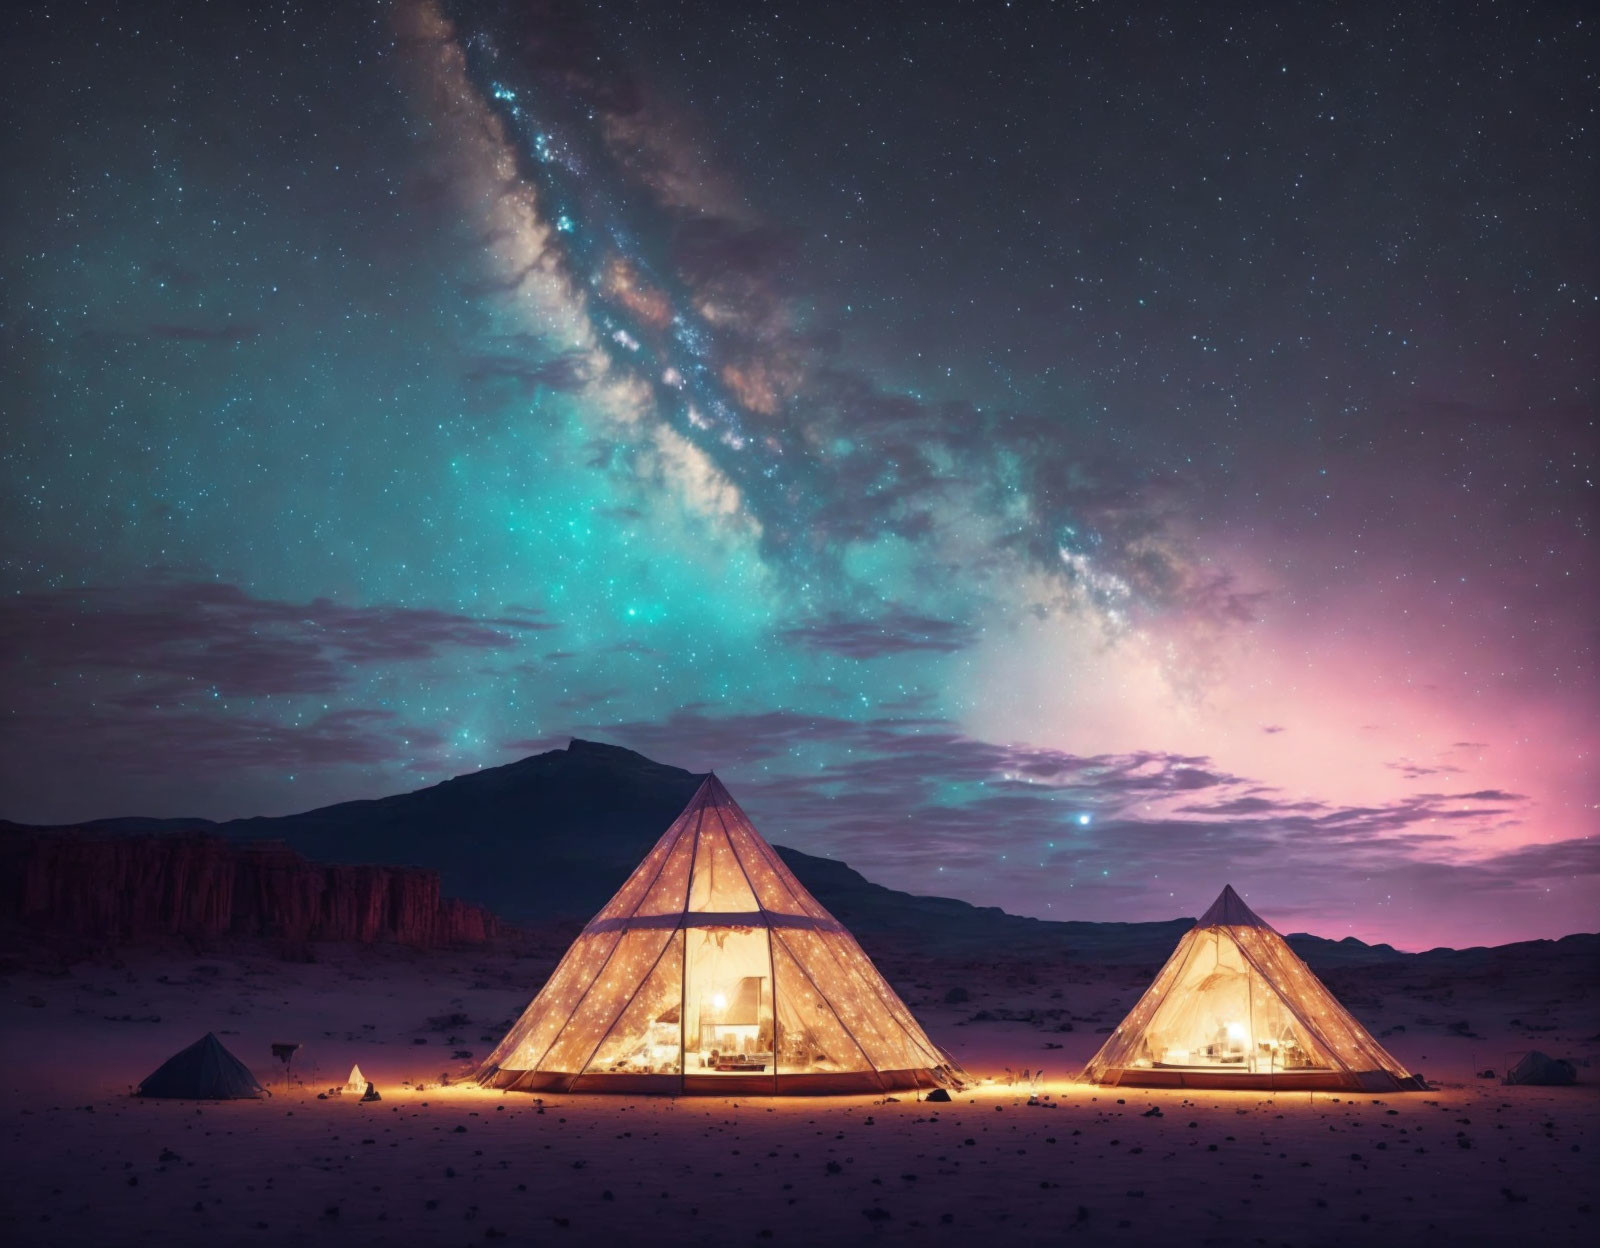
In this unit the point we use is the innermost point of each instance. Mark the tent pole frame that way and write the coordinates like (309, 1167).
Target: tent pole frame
(852, 974)
(683, 983)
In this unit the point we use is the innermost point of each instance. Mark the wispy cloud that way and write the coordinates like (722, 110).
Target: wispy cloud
(897, 630)
(200, 678)
(917, 803)
(223, 638)
(1416, 771)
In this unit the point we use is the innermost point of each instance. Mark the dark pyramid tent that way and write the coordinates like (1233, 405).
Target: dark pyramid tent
(1234, 1007)
(205, 1071)
(713, 970)
(1541, 1068)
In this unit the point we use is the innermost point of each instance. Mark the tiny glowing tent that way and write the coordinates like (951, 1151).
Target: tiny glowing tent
(205, 1071)
(1234, 1007)
(714, 971)
(356, 1084)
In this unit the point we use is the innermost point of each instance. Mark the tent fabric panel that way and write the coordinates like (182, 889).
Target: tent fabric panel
(905, 1044)
(761, 861)
(858, 1008)
(771, 889)
(532, 1034)
(524, 1080)
(719, 882)
(1333, 1026)
(669, 891)
(662, 874)
(638, 885)
(609, 993)
(647, 1038)
(849, 951)
(811, 1039)
(1121, 1046)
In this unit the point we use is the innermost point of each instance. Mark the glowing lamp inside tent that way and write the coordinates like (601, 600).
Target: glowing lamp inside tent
(736, 1024)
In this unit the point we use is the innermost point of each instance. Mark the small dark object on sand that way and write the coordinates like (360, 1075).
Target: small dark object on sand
(1153, 1112)
(1541, 1068)
(938, 1094)
(371, 1094)
(1486, 1074)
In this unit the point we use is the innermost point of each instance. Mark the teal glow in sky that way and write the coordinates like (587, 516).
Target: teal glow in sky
(1022, 466)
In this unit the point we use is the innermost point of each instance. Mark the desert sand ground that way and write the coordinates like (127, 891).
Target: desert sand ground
(1018, 1158)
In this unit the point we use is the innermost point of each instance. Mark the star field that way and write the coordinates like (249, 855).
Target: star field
(1064, 456)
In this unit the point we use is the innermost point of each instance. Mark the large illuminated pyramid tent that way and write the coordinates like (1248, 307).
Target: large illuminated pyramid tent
(713, 970)
(1234, 1007)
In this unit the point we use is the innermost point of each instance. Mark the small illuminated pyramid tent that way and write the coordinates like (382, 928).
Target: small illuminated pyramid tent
(1234, 1007)
(356, 1084)
(205, 1071)
(713, 970)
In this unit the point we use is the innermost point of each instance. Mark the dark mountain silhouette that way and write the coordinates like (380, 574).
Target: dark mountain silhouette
(551, 837)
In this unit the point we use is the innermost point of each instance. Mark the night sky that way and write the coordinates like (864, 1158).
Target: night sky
(1068, 457)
